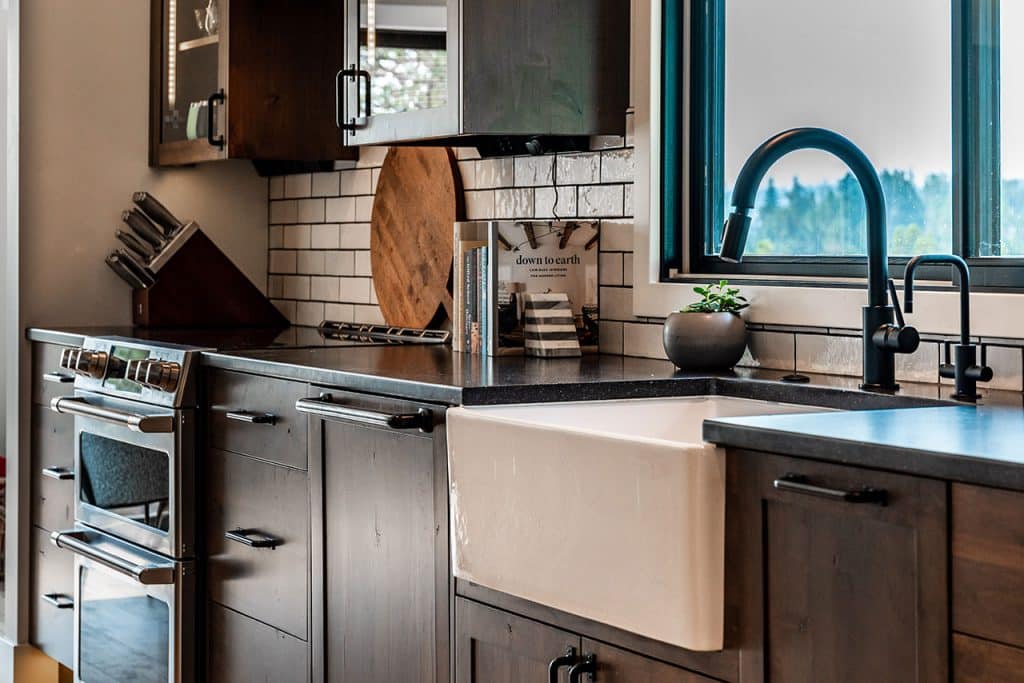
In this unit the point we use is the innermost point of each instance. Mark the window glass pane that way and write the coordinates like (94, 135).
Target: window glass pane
(875, 71)
(1011, 117)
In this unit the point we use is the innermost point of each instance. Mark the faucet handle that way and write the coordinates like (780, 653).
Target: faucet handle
(894, 297)
(981, 373)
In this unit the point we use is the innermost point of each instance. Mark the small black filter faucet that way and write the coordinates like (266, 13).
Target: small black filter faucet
(964, 369)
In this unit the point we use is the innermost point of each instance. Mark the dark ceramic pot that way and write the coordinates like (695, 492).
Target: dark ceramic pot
(704, 341)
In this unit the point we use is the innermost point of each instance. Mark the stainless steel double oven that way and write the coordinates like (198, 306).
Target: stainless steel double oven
(134, 409)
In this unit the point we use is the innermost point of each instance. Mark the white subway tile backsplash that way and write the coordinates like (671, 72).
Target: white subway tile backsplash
(284, 211)
(617, 166)
(341, 262)
(276, 240)
(617, 235)
(628, 207)
(325, 236)
(296, 237)
(341, 209)
(642, 339)
(356, 236)
(492, 173)
(544, 200)
(772, 350)
(579, 169)
(311, 262)
(311, 211)
(370, 315)
(467, 172)
(599, 142)
(371, 156)
(616, 303)
(282, 261)
(920, 366)
(821, 353)
(609, 269)
(295, 287)
(355, 290)
(598, 201)
(298, 185)
(357, 182)
(610, 337)
(513, 203)
(480, 205)
(374, 178)
(627, 269)
(287, 309)
(275, 189)
(275, 286)
(364, 209)
(344, 312)
(324, 288)
(533, 171)
(363, 263)
(309, 313)
(325, 184)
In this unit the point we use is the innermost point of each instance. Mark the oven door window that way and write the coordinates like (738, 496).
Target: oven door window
(125, 479)
(124, 632)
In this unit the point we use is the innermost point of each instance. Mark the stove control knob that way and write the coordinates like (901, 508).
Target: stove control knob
(156, 374)
(84, 362)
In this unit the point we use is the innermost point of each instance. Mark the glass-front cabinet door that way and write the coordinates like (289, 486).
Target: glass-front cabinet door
(192, 77)
(401, 82)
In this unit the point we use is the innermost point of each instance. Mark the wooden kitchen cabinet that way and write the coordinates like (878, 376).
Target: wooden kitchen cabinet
(244, 79)
(832, 589)
(491, 72)
(615, 665)
(382, 582)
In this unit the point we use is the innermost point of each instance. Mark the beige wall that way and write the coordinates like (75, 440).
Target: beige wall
(84, 115)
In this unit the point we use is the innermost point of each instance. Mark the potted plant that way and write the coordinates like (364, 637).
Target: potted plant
(708, 334)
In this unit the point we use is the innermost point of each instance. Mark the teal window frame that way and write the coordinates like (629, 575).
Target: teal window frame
(699, 50)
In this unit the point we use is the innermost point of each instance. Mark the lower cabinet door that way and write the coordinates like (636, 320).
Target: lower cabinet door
(51, 610)
(243, 650)
(619, 666)
(982, 661)
(843, 571)
(492, 646)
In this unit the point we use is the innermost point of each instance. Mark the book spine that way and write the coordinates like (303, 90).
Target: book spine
(482, 280)
(467, 299)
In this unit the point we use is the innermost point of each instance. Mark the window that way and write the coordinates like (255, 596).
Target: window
(914, 83)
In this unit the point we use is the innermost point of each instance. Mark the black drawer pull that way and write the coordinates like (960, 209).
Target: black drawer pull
(58, 600)
(252, 418)
(59, 473)
(58, 378)
(211, 119)
(253, 538)
(588, 665)
(325, 408)
(798, 483)
(570, 658)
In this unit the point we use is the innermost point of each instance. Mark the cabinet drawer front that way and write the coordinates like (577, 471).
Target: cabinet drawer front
(51, 628)
(266, 502)
(492, 646)
(988, 563)
(53, 448)
(981, 661)
(242, 650)
(45, 371)
(256, 416)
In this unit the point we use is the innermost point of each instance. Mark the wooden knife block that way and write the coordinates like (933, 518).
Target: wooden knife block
(200, 287)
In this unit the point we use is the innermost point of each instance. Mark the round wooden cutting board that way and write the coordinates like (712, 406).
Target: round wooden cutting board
(418, 200)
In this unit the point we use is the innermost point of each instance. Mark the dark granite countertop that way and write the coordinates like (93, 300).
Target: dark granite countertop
(929, 435)
(981, 445)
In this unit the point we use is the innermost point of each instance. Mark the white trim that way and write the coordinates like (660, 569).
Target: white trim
(992, 314)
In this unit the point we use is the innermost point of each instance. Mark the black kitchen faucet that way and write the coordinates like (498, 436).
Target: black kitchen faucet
(883, 339)
(964, 369)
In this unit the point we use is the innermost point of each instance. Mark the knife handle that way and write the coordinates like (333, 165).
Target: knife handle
(116, 265)
(140, 248)
(137, 269)
(144, 228)
(157, 212)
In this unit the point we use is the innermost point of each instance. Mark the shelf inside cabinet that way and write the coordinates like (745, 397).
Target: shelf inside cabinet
(186, 45)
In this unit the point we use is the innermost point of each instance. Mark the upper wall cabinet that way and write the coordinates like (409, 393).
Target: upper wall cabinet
(244, 79)
(490, 73)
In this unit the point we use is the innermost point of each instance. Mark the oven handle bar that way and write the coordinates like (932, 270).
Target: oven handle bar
(324, 408)
(146, 424)
(146, 574)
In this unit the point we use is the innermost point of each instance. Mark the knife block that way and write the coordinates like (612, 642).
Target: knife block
(199, 286)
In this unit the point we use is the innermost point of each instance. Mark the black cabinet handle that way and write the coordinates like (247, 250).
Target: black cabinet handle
(568, 659)
(356, 75)
(588, 666)
(253, 538)
(323, 407)
(798, 483)
(59, 473)
(58, 600)
(211, 119)
(58, 378)
(252, 418)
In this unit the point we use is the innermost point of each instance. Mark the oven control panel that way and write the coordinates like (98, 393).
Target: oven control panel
(153, 373)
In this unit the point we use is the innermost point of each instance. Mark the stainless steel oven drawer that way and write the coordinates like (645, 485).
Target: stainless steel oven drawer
(53, 465)
(243, 650)
(49, 379)
(256, 416)
(51, 611)
(258, 539)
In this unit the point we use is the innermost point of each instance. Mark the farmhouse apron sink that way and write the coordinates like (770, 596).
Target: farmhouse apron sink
(610, 510)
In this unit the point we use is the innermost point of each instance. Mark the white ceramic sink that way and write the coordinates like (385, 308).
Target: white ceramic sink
(610, 510)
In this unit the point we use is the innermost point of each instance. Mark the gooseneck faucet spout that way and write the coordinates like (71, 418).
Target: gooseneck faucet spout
(882, 339)
(963, 370)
